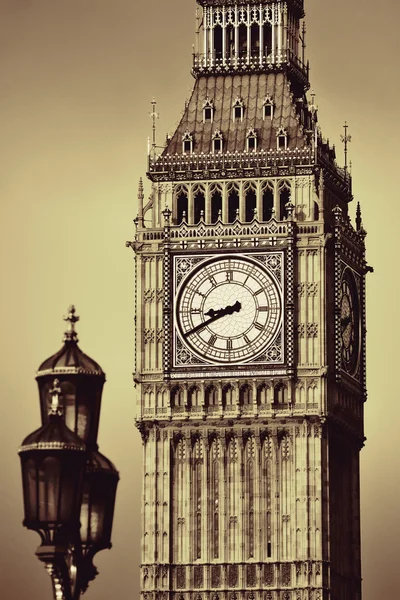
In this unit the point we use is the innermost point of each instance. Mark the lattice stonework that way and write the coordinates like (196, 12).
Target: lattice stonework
(250, 284)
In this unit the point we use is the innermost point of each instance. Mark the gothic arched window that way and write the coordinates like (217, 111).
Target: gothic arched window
(230, 40)
(218, 41)
(217, 142)
(242, 40)
(227, 395)
(281, 139)
(199, 205)
(233, 204)
(267, 203)
(262, 395)
(216, 205)
(177, 396)
(267, 37)
(255, 39)
(268, 108)
(251, 140)
(208, 110)
(187, 142)
(211, 396)
(284, 198)
(246, 394)
(194, 396)
(280, 393)
(251, 203)
(238, 110)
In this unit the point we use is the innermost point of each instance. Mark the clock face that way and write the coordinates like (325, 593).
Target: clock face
(349, 323)
(228, 310)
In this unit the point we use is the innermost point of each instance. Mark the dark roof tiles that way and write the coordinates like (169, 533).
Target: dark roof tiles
(223, 91)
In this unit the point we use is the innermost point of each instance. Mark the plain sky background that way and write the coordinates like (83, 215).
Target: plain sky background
(76, 81)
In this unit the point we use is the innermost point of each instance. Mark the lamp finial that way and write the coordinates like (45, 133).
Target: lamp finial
(71, 318)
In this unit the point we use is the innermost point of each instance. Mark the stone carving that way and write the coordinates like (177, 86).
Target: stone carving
(312, 288)
(301, 330)
(286, 574)
(148, 296)
(301, 288)
(233, 575)
(233, 449)
(180, 577)
(285, 447)
(251, 576)
(215, 576)
(312, 330)
(269, 574)
(198, 577)
(148, 336)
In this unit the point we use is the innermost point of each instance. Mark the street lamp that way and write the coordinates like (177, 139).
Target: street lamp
(69, 487)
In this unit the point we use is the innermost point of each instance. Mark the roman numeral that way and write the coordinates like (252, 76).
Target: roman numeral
(212, 340)
(246, 339)
(258, 326)
(229, 344)
(195, 311)
(259, 291)
(263, 308)
(229, 275)
(212, 280)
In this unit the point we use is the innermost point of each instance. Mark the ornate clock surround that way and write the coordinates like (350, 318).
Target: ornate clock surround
(350, 321)
(272, 360)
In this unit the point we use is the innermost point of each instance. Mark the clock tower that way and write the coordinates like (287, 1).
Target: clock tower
(250, 329)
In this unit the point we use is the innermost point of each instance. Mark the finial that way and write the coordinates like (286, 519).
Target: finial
(154, 116)
(345, 139)
(303, 42)
(289, 209)
(202, 215)
(167, 212)
(55, 406)
(70, 335)
(358, 217)
(255, 212)
(337, 214)
(140, 197)
(140, 188)
(237, 213)
(219, 214)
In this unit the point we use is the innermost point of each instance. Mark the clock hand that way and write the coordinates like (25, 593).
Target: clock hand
(214, 315)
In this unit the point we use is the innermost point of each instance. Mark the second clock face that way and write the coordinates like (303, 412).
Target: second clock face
(228, 310)
(349, 320)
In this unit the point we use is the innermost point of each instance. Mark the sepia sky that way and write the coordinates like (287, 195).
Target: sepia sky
(76, 81)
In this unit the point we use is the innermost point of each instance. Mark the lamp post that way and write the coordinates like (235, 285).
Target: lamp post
(69, 487)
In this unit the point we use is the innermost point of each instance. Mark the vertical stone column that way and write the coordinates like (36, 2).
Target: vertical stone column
(211, 30)
(205, 32)
(248, 12)
(224, 35)
(224, 203)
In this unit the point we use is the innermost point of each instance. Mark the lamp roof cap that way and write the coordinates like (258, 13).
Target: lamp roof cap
(70, 359)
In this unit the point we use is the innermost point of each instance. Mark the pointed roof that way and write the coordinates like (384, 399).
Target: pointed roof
(70, 358)
(251, 90)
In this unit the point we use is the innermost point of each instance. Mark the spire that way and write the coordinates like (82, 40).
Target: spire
(70, 335)
(358, 217)
(154, 116)
(140, 201)
(345, 139)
